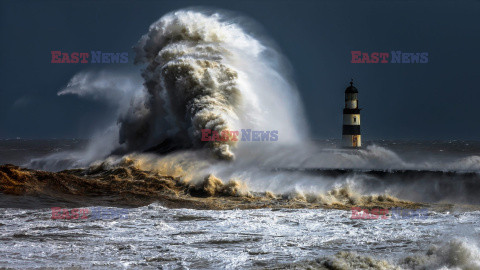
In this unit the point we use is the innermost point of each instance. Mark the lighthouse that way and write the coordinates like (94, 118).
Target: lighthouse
(351, 118)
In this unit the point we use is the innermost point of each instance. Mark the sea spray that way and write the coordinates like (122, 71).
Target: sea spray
(204, 72)
(201, 70)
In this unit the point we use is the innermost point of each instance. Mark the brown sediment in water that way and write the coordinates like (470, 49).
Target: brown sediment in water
(128, 185)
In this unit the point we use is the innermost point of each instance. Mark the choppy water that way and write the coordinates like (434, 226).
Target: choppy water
(21, 151)
(154, 236)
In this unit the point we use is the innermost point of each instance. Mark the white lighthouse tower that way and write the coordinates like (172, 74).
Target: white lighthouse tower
(351, 118)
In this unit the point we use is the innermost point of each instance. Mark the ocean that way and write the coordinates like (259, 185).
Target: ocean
(153, 236)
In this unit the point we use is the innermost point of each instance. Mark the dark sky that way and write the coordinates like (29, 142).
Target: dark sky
(437, 100)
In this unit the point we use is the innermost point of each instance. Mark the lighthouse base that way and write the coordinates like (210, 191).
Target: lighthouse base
(352, 140)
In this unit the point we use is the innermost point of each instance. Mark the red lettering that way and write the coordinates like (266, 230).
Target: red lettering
(355, 213)
(74, 214)
(384, 57)
(74, 57)
(84, 212)
(356, 57)
(224, 136)
(365, 58)
(374, 57)
(65, 58)
(366, 214)
(215, 136)
(205, 133)
(65, 214)
(84, 57)
(384, 213)
(56, 212)
(234, 135)
(55, 57)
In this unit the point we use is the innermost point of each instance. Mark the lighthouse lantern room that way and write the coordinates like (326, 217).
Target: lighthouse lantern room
(351, 118)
